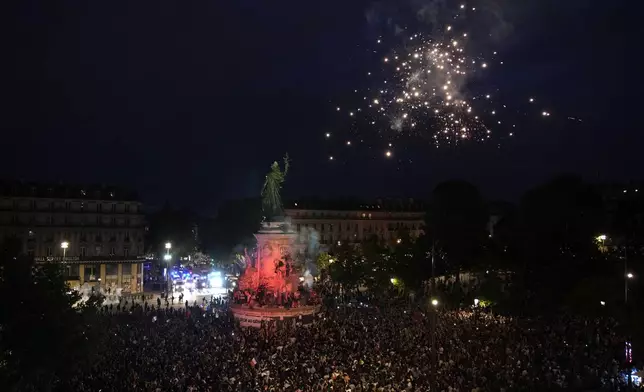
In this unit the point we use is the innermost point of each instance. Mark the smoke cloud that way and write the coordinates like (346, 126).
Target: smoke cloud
(432, 15)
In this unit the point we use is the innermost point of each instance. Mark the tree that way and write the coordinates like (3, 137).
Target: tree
(558, 223)
(176, 226)
(42, 336)
(236, 223)
(348, 268)
(457, 220)
(411, 260)
(323, 262)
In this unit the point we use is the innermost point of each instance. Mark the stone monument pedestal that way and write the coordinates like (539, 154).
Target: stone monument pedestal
(253, 317)
(274, 273)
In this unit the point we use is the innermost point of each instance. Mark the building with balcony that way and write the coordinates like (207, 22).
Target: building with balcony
(95, 232)
(337, 222)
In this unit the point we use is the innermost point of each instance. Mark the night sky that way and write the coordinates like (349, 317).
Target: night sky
(190, 101)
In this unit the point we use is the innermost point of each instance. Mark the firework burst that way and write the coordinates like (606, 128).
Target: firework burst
(424, 94)
(422, 88)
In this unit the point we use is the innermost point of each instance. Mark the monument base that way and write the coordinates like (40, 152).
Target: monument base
(253, 317)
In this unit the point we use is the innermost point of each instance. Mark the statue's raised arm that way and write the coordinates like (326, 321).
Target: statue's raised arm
(287, 161)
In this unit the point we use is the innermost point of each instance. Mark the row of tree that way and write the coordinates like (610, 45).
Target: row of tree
(547, 243)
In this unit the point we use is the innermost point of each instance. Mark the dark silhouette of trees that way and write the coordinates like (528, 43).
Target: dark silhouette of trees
(558, 222)
(42, 337)
(234, 227)
(457, 220)
(174, 225)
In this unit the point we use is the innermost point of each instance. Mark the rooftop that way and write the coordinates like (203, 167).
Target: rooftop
(65, 191)
(389, 204)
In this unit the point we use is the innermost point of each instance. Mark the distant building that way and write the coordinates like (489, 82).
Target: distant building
(95, 232)
(337, 222)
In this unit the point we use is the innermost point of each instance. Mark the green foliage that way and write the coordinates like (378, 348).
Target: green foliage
(373, 264)
(348, 267)
(323, 261)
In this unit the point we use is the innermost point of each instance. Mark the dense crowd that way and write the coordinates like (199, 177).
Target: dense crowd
(355, 347)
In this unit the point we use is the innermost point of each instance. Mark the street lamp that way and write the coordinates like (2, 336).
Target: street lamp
(433, 319)
(167, 257)
(629, 275)
(64, 245)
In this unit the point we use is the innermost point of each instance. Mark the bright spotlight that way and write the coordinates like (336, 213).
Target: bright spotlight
(215, 281)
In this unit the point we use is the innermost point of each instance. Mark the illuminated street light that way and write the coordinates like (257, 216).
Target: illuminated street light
(601, 237)
(167, 257)
(64, 245)
(168, 245)
(602, 303)
(435, 302)
(630, 275)
(398, 241)
(476, 302)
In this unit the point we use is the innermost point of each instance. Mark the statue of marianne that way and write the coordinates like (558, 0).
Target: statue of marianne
(271, 199)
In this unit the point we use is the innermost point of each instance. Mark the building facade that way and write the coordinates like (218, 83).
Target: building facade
(95, 232)
(353, 222)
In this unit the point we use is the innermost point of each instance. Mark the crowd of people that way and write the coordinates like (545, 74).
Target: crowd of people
(349, 347)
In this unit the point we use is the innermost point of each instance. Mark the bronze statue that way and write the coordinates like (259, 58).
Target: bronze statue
(271, 199)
